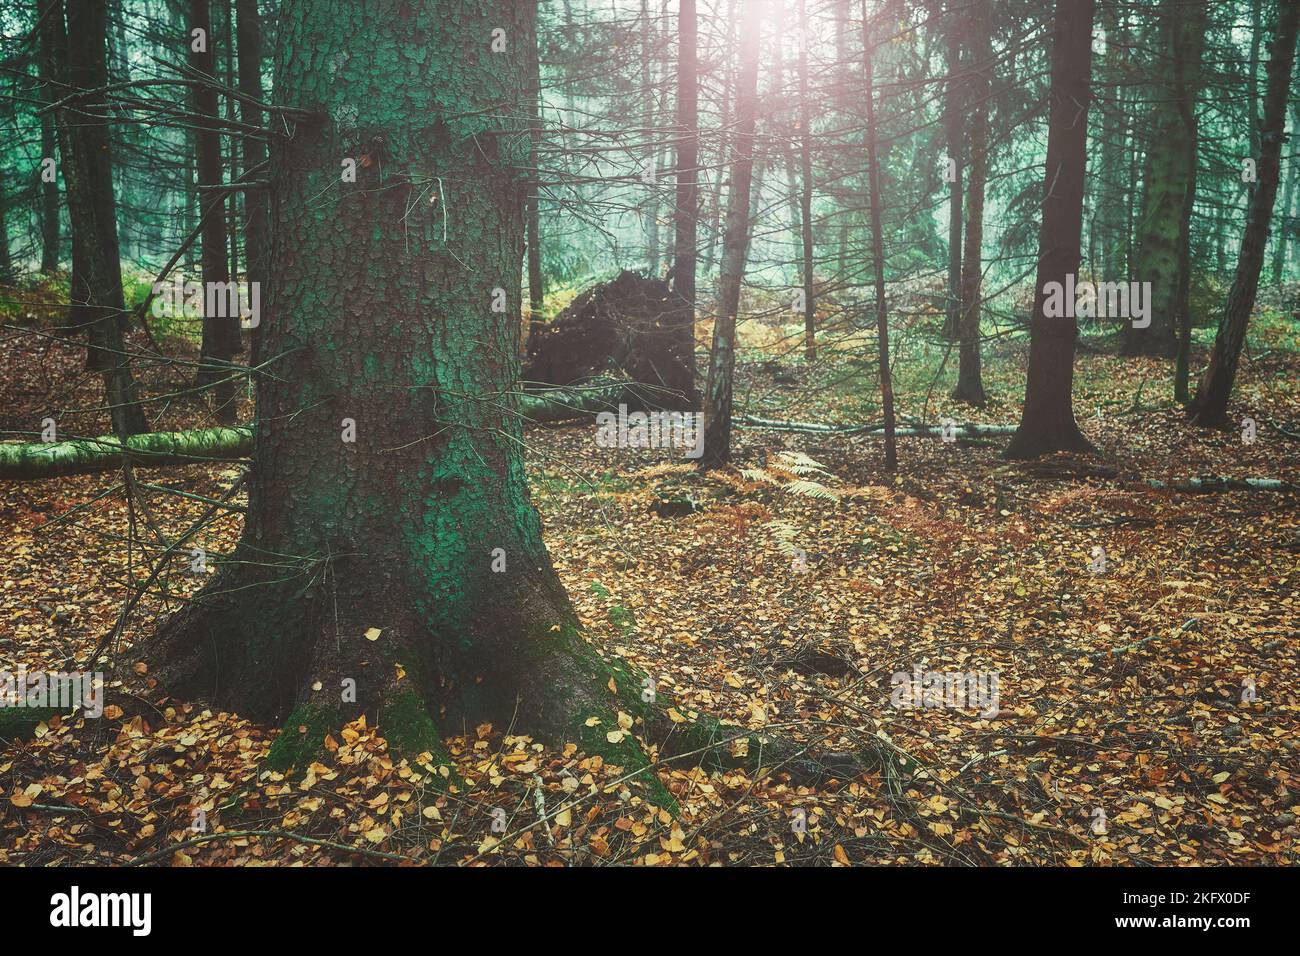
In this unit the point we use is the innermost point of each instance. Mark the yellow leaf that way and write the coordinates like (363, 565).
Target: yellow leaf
(372, 633)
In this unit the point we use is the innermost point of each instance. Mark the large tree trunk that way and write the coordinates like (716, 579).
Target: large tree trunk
(1210, 406)
(78, 57)
(1168, 181)
(686, 216)
(220, 332)
(953, 104)
(735, 247)
(410, 560)
(878, 247)
(257, 202)
(1047, 423)
(970, 381)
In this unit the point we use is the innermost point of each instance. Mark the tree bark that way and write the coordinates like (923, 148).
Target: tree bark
(1168, 178)
(952, 123)
(1047, 423)
(1210, 405)
(970, 382)
(532, 211)
(806, 193)
(220, 333)
(735, 247)
(78, 56)
(878, 249)
(257, 202)
(373, 561)
(686, 216)
(49, 205)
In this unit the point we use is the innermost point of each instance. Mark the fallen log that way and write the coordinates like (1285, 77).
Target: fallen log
(965, 430)
(32, 461)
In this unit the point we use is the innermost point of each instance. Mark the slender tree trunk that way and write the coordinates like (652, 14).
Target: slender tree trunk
(1210, 406)
(408, 564)
(958, 22)
(1167, 194)
(735, 247)
(878, 247)
(257, 202)
(687, 213)
(806, 195)
(220, 332)
(650, 209)
(970, 382)
(532, 211)
(1047, 423)
(49, 205)
(1288, 230)
(78, 52)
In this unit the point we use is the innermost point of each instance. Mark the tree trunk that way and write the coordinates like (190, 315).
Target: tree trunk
(410, 560)
(7, 274)
(806, 194)
(1210, 406)
(735, 247)
(650, 174)
(1167, 177)
(257, 202)
(49, 205)
(953, 105)
(220, 332)
(532, 209)
(78, 57)
(687, 214)
(878, 248)
(970, 382)
(1288, 226)
(1047, 423)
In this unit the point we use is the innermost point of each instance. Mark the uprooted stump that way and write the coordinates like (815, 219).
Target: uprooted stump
(633, 326)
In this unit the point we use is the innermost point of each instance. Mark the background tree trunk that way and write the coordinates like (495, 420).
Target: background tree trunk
(1210, 406)
(1047, 423)
(970, 382)
(958, 22)
(1168, 179)
(687, 214)
(78, 54)
(257, 202)
(735, 246)
(878, 249)
(806, 193)
(220, 333)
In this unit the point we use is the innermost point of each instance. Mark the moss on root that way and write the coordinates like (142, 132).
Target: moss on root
(403, 721)
(302, 739)
(18, 723)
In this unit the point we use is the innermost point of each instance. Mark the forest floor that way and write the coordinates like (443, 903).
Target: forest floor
(1147, 713)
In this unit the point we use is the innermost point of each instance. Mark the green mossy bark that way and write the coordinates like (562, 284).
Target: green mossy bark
(18, 723)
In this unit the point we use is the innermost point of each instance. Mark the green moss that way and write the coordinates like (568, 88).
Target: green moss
(17, 723)
(628, 754)
(302, 738)
(405, 723)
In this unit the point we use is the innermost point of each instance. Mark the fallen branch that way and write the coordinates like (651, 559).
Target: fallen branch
(966, 430)
(31, 461)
